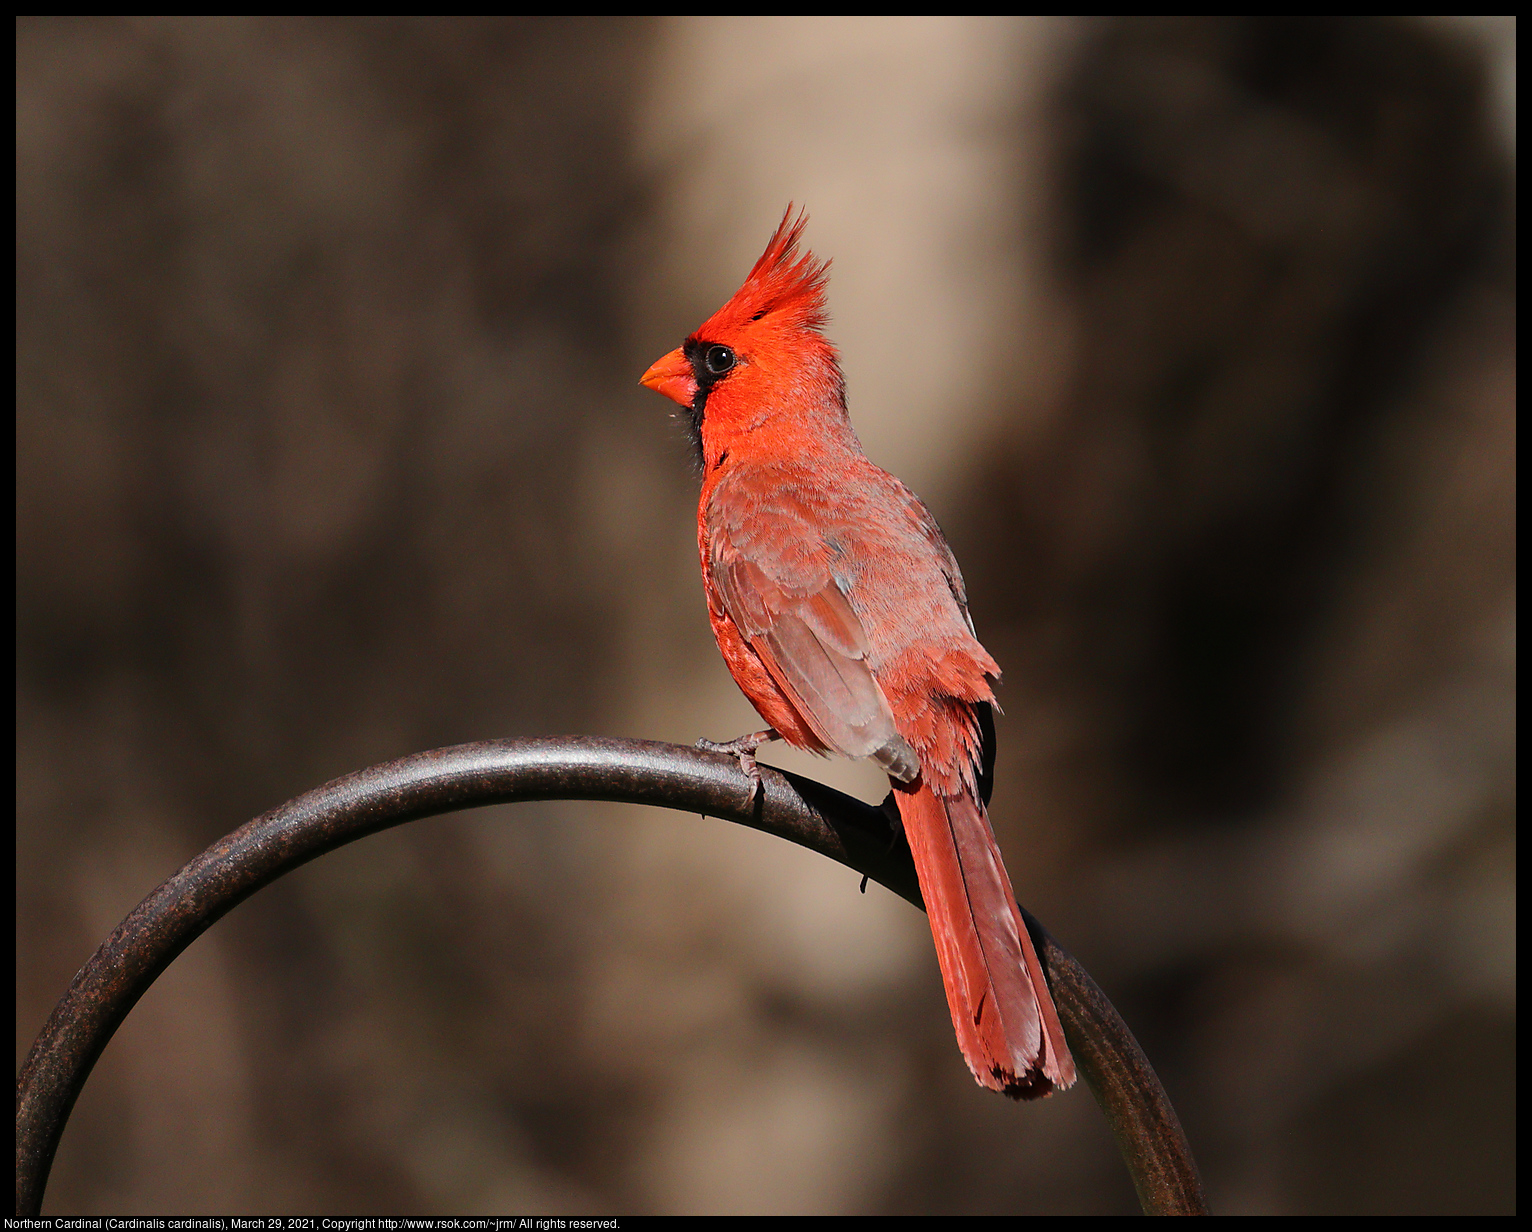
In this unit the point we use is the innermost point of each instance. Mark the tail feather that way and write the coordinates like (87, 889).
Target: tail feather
(1004, 1016)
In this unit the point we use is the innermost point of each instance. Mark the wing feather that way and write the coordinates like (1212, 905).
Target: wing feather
(813, 644)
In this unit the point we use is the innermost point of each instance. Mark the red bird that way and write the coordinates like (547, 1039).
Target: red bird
(840, 611)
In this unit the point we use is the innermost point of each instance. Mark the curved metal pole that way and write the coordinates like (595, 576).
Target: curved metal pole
(557, 768)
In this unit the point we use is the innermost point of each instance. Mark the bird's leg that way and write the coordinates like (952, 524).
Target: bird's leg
(743, 750)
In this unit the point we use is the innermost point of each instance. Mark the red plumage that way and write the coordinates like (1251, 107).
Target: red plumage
(841, 613)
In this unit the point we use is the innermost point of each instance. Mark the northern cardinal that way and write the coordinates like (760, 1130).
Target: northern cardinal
(841, 613)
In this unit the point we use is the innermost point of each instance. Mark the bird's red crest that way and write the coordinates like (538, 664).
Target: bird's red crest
(782, 283)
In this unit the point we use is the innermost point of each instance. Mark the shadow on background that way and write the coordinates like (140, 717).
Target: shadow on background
(330, 450)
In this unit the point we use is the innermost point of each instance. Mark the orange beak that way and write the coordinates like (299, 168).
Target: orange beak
(672, 376)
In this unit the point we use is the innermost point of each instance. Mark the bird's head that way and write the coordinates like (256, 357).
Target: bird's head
(762, 359)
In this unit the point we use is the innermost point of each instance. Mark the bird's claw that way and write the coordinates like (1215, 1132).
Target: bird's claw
(743, 751)
(890, 807)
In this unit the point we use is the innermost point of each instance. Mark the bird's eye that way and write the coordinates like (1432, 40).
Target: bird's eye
(719, 359)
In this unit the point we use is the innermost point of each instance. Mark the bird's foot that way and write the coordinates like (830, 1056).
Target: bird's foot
(890, 807)
(743, 751)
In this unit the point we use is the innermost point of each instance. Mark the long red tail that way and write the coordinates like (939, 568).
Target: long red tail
(1002, 1011)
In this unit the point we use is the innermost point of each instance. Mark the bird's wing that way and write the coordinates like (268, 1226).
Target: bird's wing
(774, 581)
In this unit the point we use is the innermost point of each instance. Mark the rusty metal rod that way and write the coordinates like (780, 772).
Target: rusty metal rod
(553, 768)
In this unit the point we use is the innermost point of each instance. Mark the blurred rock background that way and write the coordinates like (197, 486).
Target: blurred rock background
(1197, 334)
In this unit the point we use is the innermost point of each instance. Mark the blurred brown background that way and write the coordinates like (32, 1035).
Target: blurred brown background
(1196, 334)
